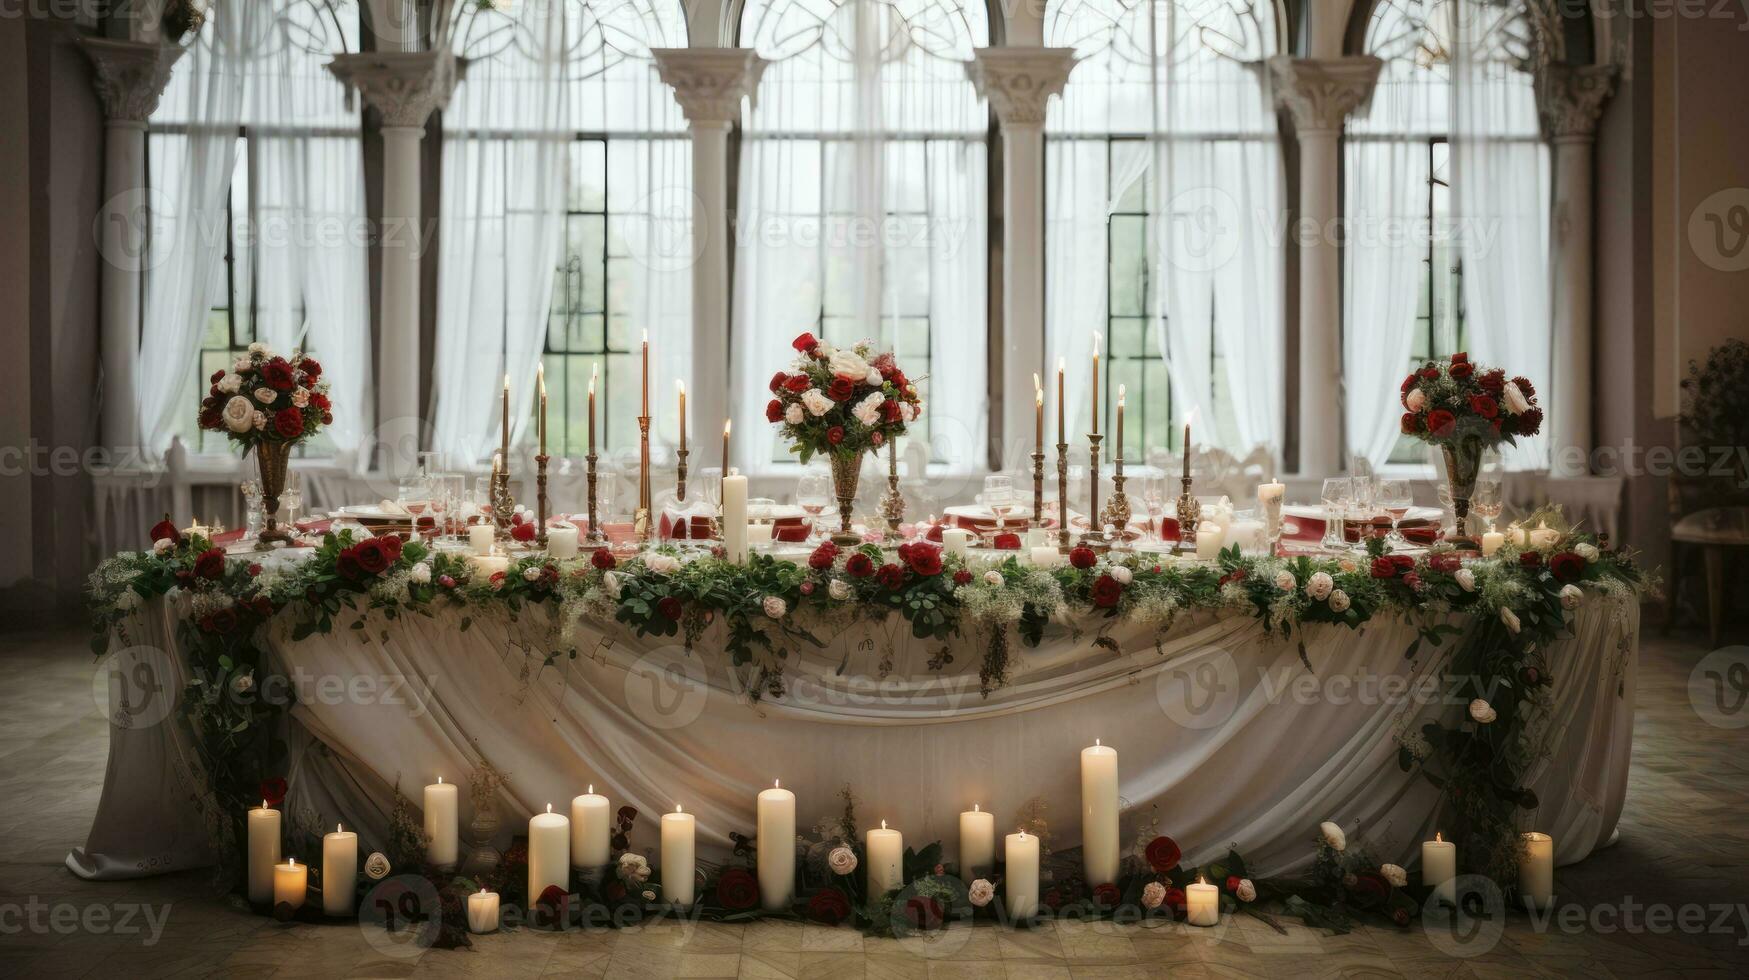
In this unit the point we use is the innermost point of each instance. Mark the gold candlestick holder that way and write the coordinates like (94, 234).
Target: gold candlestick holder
(641, 519)
(680, 474)
(1117, 510)
(1063, 496)
(892, 502)
(596, 537)
(503, 504)
(1038, 487)
(1094, 538)
(540, 499)
(1189, 513)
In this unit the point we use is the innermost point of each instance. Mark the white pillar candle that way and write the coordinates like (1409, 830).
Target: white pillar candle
(1536, 870)
(886, 861)
(1099, 844)
(955, 540)
(1492, 542)
(486, 566)
(735, 518)
(562, 542)
(759, 535)
(339, 871)
(1439, 866)
(1045, 557)
(480, 538)
(1208, 540)
(776, 830)
(440, 823)
(291, 881)
(977, 843)
(1202, 903)
(263, 852)
(591, 831)
(549, 853)
(1020, 875)
(1269, 497)
(679, 841)
(1037, 537)
(483, 912)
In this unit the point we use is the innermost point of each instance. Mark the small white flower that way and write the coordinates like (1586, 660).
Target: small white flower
(229, 384)
(1466, 579)
(1515, 401)
(301, 397)
(129, 599)
(817, 402)
(1153, 895)
(794, 414)
(1246, 892)
(162, 545)
(243, 683)
(420, 574)
(1416, 401)
(1395, 875)
(258, 420)
(1586, 551)
(1284, 580)
(238, 414)
(265, 395)
(874, 377)
(1510, 618)
(611, 584)
(842, 860)
(661, 562)
(1333, 836)
(1482, 713)
(775, 607)
(839, 589)
(1122, 574)
(1320, 585)
(633, 868)
(1572, 597)
(868, 411)
(847, 364)
(243, 363)
(1338, 601)
(981, 892)
(258, 348)
(531, 573)
(993, 578)
(377, 867)
(1348, 565)
(649, 894)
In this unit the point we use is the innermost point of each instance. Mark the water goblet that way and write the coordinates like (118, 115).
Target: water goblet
(1337, 496)
(1395, 496)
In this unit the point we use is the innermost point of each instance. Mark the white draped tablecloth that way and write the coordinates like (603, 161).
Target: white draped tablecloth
(1223, 735)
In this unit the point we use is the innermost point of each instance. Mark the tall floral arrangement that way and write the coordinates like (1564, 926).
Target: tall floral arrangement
(841, 402)
(1455, 401)
(267, 398)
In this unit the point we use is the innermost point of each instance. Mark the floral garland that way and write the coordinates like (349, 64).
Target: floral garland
(1516, 603)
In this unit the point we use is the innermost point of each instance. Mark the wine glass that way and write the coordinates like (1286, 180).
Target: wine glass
(1000, 498)
(251, 507)
(814, 494)
(1395, 496)
(291, 499)
(1338, 496)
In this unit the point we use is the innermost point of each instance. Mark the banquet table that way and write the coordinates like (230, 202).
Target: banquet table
(1225, 737)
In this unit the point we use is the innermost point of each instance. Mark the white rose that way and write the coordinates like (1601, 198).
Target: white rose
(1482, 712)
(847, 364)
(421, 573)
(1153, 895)
(242, 364)
(1466, 579)
(377, 867)
(981, 892)
(265, 395)
(1510, 618)
(649, 895)
(1333, 836)
(868, 411)
(1284, 580)
(611, 583)
(633, 869)
(874, 377)
(258, 420)
(531, 573)
(258, 348)
(1246, 892)
(1515, 401)
(1122, 574)
(243, 683)
(794, 414)
(839, 589)
(993, 577)
(842, 860)
(162, 545)
(1320, 585)
(1348, 565)
(1338, 601)
(1586, 551)
(1572, 597)
(1416, 401)
(238, 414)
(129, 599)
(661, 562)
(817, 402)
(301, 397)
(229, 384)
(1395, 875)
(775, 607)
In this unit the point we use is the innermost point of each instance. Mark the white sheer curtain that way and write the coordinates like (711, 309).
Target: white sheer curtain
(862, 197)
(1500, 194)
(1187, 80)
(538, 75)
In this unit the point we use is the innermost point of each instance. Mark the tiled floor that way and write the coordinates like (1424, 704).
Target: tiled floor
(1684, 841)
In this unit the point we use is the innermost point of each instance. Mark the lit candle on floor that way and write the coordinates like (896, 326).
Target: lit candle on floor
(549, 853)
(886, 861)
(291, 881)
(440, 823)
(590, 833)
(1536, 870)
(977, 843)
(776, 830)
(263, 852)
(483, 912)
(1099, 843)
(1439, 866)
(1020, 880)
(339, 871)
(1202, 903)
(679, 840)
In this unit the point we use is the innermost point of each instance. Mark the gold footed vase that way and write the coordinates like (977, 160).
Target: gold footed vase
(1463, 462)
(846, 472)
(273, 457)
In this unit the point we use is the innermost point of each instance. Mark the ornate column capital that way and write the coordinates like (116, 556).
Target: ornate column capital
(1321, 92)
(1020, 81)
(1569, 98)
(131, 75)
(709, 83)
(405, 86)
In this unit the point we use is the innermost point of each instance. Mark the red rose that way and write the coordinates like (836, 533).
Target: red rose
(835, 434)
(523, 532)
(166, 530)
(876, 438)
(218, 376)
(890, 410)
(1052, 899)
(807, 588)
(924, 913)
(1567, 566)
(273, 791)
(1493, 380)
(859, 565)
(1524, 386)
(670, 607)
(1233, 883)
(1175, 899)
(1441, 422)
(1106, 592)
(774, 411)
(805, 343)
(1460, 357)
(828, 907)
(263, 606)
(962, 577)
(320, 400)
(1430, 372)
(1444, 562)
(823, 556)
(219, 621)
(841, 389)
(391, 544)
(925, 559)
(371, 556)
(288, 423)
(602, 559)
(1530, 559)
(346, 563)
(1409, 382)
(1462, 369)
(1106, 895)
(1403, 562)
(797, 383)
(777, 380)
(1163, 854)
(1007, 541)
(277, 374)
(211, 419)
(1530, 422)
(1484, 405)
(891, 576)
(1082, 557)
(312, 369)
(737, 889)
(211, 563)
(1411, 423)
(1383, 567)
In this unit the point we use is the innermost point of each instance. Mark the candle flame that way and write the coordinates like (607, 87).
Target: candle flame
(337, 828)
(1200, 881)
(507, 384)
(680, 385)
(263, 804)
(1035, 383)
(1438, 838)
(1120, 392)
(676, 808)
(646, 337)
(292, 861)
(883, 825)
(1096, 345)
(727, 423)
(1038, 397)
(974, 808)
(1061, 364)
(440, 780)
(777, 784)
(1096, 743)
(549, 808)
(482, 889)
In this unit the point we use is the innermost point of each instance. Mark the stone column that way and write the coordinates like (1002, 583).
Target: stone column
(709, 84)
(1569, 99)
(1319, 93)
(406, 87)
(130, 76)
(1018, 82)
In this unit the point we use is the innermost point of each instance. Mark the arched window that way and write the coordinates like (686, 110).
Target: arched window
(259, 229)
(1163, 176)
(564, 235)
(1446, 192)
(862, 202)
